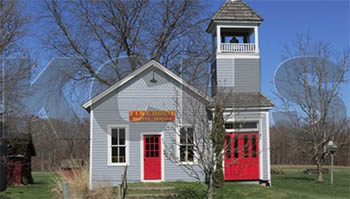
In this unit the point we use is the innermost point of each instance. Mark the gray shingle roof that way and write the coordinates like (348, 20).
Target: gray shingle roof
(242, 100)
(236, 11)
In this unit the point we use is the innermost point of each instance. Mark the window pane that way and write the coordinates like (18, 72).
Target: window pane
(152, 153)
(152, 146)
(236, 146)
(228, 125)
(122, 156)
(182, 153)
(189, 136)
(121, 136)
(182, 136)
(250, 125)
(114, 136)
(147, 154)
(190, 153)
(246, 146)
(157, 146)
(114, 154)
(241, 125)
(156, 154)
(228, 147)
(254, 146)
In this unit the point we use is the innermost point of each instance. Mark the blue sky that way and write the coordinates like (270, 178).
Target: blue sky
(324, 20)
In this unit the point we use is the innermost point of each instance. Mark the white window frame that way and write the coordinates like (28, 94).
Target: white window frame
(258, 122)
(109, 146)
(178, 154)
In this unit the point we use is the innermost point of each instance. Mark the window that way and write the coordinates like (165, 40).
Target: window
(186, 144)
(236, 146)
(152, 146)
(246, 145)
(117, 146)
(228, 146)
(241, 125)
(254, 146)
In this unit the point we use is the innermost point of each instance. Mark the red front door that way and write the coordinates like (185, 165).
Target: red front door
(241, 157)
(152, 157)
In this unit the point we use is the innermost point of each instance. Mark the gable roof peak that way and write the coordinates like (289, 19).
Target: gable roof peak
(236, 10)
(151, 63)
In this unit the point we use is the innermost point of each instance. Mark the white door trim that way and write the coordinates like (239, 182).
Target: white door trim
(91, 143)
(142, 177)
(261, 148)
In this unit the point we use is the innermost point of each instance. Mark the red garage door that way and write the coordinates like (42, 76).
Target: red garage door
(241, 158)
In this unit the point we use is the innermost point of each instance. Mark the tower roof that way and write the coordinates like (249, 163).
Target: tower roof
(236, 10)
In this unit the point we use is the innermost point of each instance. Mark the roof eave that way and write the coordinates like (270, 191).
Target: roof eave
(212, 22)
(260, 108)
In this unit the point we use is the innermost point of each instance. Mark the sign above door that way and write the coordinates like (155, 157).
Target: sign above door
(152, 116)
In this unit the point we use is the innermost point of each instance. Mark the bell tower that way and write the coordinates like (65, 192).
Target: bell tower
(235, 64)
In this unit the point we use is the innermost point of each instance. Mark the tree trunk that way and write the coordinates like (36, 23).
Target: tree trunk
(210, 187)
(319, 173)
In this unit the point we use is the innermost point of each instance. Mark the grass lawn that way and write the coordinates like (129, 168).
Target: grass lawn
(293, 184)
(40, 190)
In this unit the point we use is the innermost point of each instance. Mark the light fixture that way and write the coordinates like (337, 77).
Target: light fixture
(153, 80)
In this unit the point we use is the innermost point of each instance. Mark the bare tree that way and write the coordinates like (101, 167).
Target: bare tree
(14, 72)
(103, 31)
(199, 137)
(310, 83)
(12, 24)
(69, 141)
(284, 152)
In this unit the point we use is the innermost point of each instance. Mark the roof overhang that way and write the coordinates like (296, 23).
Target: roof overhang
(242, 109)
(213, 23)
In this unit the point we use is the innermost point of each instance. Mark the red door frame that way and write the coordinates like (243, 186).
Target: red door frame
(152, 157)
(241, 157)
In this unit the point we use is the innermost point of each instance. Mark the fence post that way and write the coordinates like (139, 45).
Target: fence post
(65, 190)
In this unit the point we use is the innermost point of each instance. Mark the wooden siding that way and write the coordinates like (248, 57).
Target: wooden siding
(225, 72)
(138, 94)
(238, 75)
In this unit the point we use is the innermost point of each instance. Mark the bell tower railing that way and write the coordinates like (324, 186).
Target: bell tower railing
(237, 48)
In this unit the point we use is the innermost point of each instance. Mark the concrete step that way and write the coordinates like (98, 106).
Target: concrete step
(151, 188)
(151, 195)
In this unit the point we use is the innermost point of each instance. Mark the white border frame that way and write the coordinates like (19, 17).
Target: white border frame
(267, 118)
(91, 143)
(127, 151)
(260, 148)
(142, 176)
